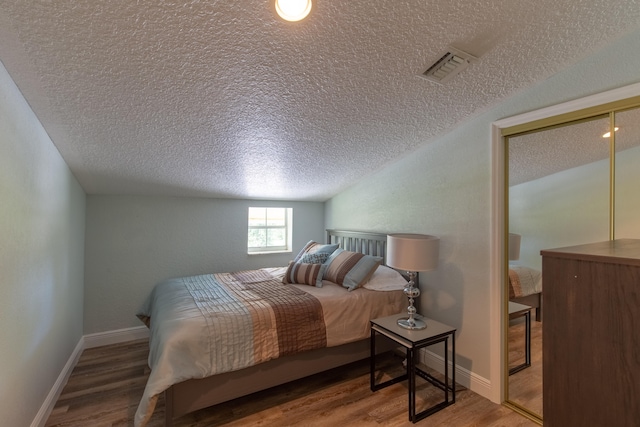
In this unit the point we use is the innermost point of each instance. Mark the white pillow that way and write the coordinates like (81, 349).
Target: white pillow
(385, 279)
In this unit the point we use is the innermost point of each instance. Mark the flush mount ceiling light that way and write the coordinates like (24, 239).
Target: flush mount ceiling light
(293, 10)
(608, 134)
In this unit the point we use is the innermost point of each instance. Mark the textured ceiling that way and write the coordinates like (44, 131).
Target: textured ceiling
(544, 153)
(223, 99)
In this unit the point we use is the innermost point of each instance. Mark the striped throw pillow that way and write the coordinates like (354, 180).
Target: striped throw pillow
(350, 269)
(304, 274)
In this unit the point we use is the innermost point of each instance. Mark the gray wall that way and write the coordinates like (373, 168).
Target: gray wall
(42, 214)
(134, 242)
(444, 188)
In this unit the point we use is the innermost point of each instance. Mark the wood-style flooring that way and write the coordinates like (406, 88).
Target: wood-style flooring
(106, 385)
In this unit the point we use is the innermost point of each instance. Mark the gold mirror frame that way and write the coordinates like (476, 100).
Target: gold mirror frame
(608, 109)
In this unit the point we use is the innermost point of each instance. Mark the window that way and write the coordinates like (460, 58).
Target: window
(269, 230)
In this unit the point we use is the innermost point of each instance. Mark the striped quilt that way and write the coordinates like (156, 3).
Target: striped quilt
(211, 324)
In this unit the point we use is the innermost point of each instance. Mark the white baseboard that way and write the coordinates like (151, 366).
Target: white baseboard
(114, 337)
(45, 410)
(86, 341)
(464, 377)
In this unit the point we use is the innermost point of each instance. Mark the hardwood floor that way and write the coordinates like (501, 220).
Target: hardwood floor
(106, 385)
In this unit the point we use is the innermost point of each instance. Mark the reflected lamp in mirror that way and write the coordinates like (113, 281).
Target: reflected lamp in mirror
(514, 246)
(412, 253)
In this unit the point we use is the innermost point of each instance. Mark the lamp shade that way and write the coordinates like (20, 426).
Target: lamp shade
(514, 246)
(412, 252)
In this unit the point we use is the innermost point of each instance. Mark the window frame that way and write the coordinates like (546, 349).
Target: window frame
(287, 227)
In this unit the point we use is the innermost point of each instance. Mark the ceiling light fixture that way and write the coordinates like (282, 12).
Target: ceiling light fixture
(293, 10)
(608, 134)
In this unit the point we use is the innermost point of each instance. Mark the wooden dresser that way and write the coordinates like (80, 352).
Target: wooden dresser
(591, 330)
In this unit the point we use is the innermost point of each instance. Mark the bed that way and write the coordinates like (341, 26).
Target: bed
(213, 337)
(525, 287)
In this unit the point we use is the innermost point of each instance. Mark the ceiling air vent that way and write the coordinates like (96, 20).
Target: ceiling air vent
(450, 64)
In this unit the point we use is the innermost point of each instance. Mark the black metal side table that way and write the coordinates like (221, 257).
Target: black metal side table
(518, 310)
(413, 341)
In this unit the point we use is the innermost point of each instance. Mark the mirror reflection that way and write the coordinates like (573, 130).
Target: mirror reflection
(627, 174)
(563, 190)
(558, 196)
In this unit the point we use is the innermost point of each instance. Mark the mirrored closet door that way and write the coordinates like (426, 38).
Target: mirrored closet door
(565, 187)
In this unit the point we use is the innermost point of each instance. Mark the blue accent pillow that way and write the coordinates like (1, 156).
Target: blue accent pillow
(315, 258)
(315, 248)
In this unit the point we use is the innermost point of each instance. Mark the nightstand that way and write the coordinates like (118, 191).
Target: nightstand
(413, 341)
(520, 310)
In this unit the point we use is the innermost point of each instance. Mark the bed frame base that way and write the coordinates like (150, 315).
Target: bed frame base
(192, 395)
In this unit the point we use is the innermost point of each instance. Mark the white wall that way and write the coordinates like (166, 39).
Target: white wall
(628, 194)
(564, 209)
(42, 214)
(572, 207)
(444, 188)
(135, 242)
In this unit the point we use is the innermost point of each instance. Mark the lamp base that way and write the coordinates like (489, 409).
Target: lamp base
(409, 323)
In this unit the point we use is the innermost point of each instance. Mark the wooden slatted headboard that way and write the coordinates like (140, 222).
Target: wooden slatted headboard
(358, 241)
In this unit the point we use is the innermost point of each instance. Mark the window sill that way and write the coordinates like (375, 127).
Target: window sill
(269, 252)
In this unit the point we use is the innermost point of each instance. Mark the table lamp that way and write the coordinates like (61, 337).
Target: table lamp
(412, 253)
(514, 246)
